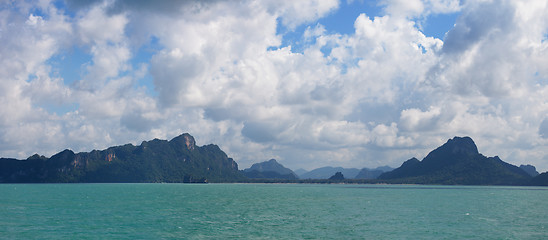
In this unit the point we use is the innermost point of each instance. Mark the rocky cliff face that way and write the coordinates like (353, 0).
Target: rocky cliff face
(185, 140)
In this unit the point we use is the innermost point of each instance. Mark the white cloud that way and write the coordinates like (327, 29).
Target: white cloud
(387, 136)
(488, 75)
(443, 6)
(416, 120)
(174, 74)
(294, 13)
(96, 26)
(378, 96)
(105, 34)
(420, 8)
(404, 8)
(28, 41)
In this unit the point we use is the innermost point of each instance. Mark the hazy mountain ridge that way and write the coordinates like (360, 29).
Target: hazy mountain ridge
(327, 172)
(458, 161)
(367, 173)
(300, 172)
(349, 173)
(269, 169)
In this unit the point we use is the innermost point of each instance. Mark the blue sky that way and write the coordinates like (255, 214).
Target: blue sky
(310, 83)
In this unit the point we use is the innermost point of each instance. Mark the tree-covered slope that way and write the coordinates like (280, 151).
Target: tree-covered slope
(457, 162)
(540, 180)
(177, 160)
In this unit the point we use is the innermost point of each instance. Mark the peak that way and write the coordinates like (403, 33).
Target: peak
(185, 139)
(455, 148)
(64, 152)
(461, 139)
(36, 156)
(67, 153)
(463, 145)
(410, 162)
(270, 165)
(337, 176)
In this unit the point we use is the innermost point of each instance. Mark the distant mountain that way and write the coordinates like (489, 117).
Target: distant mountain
(367, 173)
(384, 168)
(269, 169)
(177, 160)
(300, 172)
(326, 172)
(457, 162)
(529, 169)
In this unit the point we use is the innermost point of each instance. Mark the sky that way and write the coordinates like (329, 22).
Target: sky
(310, 83)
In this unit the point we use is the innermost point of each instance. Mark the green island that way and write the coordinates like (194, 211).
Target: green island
(179, 160)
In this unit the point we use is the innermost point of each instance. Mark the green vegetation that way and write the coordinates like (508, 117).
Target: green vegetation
(457, 162)
(178, 160)
(540, 180)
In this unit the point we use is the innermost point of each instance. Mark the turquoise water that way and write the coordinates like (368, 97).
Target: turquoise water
(271, 211)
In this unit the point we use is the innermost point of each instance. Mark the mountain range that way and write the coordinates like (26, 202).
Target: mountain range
(327, 172)
(367, 173)
(180, 160)
(457, 162)
(349, 173)
(177, 160)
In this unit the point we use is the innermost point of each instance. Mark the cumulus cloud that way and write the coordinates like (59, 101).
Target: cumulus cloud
(416, 120)
(419, 8)
(28, 41)
(488, 71)
(543, 128)
(218, 70)
(292, 14)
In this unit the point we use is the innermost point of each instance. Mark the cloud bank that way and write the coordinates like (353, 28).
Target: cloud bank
(220, 71)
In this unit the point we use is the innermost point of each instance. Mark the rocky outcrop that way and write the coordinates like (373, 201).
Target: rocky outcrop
(337, 176)
(185, 140)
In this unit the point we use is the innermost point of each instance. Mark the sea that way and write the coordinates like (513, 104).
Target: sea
(271, 211)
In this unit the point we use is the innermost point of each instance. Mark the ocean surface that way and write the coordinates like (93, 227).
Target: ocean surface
(271, 211)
